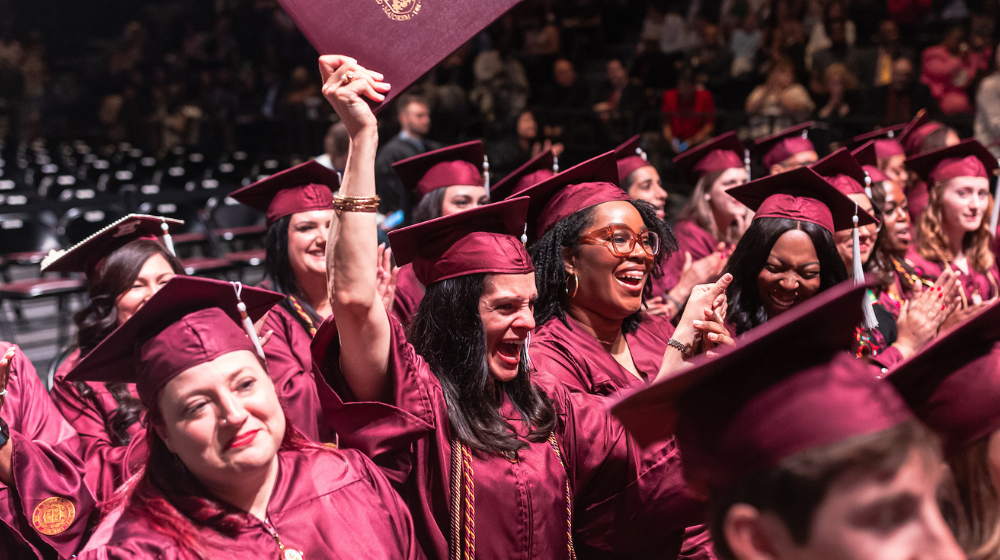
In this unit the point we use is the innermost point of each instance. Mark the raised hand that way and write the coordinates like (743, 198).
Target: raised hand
(346, 84)
(385, 277)
(5, 373)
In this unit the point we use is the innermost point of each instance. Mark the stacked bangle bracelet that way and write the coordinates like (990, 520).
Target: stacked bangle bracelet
(355, 203)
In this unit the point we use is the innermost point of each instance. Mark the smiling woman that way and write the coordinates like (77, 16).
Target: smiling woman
(298, 203)
(225, 468)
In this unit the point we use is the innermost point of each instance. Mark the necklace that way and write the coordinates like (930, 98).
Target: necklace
(286, 553)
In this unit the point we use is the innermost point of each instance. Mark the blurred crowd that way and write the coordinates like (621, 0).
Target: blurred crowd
(579, 75)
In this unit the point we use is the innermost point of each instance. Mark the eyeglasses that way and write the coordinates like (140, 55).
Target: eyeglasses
(621, 240)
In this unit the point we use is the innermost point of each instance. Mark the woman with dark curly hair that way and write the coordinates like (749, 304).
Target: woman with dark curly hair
(493, 460)
(955, 229)
(787, 255)
(125, 265)
(596, 252)
(227, 475)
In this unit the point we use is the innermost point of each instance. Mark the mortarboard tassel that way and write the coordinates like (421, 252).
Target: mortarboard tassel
(869, 321)
(486, 173)
(746, 162)
(642, 154)
(524, 236)
(247, 323)
(167, 240)
(996, 206)
(868, 185)
(555, 164)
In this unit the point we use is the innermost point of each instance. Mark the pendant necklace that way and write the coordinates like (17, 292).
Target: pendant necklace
(286, 553)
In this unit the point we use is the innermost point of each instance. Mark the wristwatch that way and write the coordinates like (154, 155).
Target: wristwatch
(4, 433)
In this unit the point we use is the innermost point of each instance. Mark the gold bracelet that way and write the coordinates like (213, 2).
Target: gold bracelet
(356, 203)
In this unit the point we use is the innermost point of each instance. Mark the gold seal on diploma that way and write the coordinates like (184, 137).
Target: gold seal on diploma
(400, 10)
(53, 516)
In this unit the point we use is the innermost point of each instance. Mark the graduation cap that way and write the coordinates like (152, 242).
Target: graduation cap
(953, 384)
(801, 194)
(461, 164)
(867, 156)
(402, 39)
(536, 170)
(481, 240)
(788, 386)
(845, 174)
(188, 322)
(916, 131)
(630, 157)
(87, 255)
(305, 187)
(718, 154)
(885, 139)
(781, 146)
(590, 183)
(968, 158)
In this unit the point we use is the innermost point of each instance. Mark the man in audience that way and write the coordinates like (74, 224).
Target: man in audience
(414, 124)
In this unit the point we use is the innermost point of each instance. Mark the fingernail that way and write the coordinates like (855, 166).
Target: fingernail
(940, 296)
(713, 336)
(698, 323)
(943, 307)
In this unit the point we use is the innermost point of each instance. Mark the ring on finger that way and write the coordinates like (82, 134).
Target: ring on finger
(347, 78)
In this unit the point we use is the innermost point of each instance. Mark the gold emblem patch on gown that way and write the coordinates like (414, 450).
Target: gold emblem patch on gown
(53, 516)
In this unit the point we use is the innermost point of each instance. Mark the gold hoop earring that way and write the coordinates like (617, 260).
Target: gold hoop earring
(576, 285)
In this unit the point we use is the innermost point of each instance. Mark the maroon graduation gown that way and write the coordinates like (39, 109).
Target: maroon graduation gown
(573, 356)
(691, 238)
(987, 285)
(326, 503)
(108, 465)
(45, 514)
(624, 501)
(409, 293)
(289, 364)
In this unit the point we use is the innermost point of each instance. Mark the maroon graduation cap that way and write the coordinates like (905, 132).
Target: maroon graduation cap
(305, 187)
(538, 169)
(968, 158)
(868, 157)
(630, 157)
(189, 322)
(590, 183)
(801, 194)
(484, 239)
(789, 386)
(87, 255)
(841, 170)
(718, 154)
(402, 39)
(886, 141)
(916, 131)
(781, 146)
(953, 384)
(461, 164)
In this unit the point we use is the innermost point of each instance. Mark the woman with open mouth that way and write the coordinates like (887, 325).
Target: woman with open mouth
(709, 226)
(125, 264)
(443, 182)
(955, 229)
(226, 474)
(788, 254)
(298, 204)
(888, 339)
(492, 462)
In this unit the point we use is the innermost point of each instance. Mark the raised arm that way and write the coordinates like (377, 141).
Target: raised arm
(362, 322)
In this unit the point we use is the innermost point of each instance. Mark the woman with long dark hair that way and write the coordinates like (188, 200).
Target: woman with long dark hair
(955, 229)
(444, 181)
(491, 464)
(298, 204)
(711, 223)
(888, 339)
(787, 255)
(125, 265)
(227, 474)
(953, 386)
